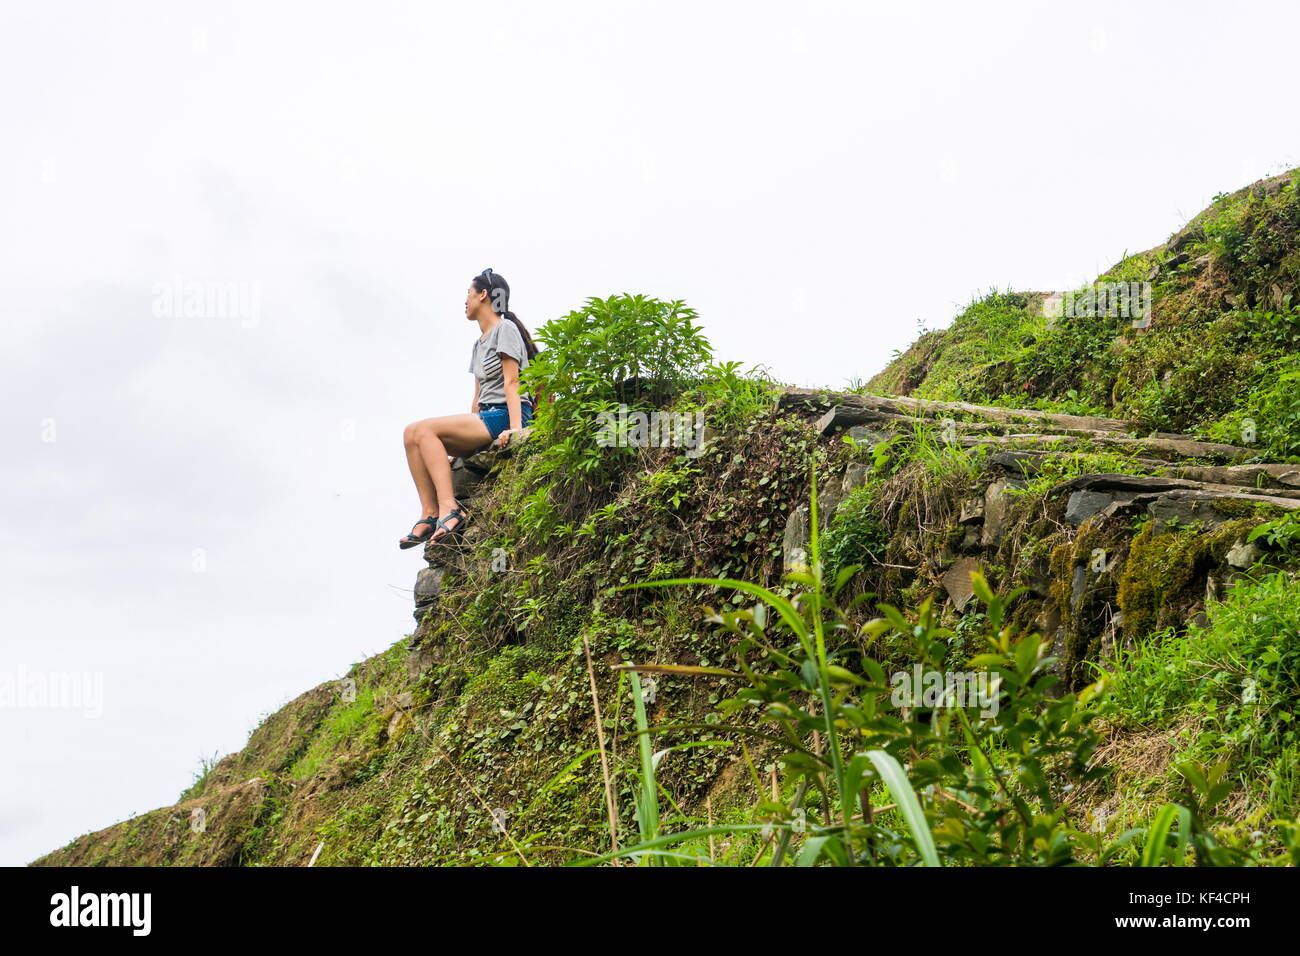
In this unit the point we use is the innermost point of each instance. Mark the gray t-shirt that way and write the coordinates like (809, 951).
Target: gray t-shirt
(485, 361)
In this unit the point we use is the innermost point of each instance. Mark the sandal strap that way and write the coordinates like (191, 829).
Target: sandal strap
(425, 536)
(453, 513)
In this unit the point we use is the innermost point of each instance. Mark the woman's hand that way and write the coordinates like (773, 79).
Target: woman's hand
(504, 438)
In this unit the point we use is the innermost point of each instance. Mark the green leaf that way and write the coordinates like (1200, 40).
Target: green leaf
(811, 850)
(981, 587)
(1156, 849)
(891, 772)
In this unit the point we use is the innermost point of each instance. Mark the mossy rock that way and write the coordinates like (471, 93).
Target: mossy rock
(1163, 581)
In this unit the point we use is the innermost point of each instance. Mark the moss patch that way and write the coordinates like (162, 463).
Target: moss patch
(1163, 581)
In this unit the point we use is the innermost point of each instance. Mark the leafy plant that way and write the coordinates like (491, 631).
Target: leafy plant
(855, 533)
(626, 350)
(732, 398)
(971, 783)
(1276, 328)
(1276, 407)
(1282, 534)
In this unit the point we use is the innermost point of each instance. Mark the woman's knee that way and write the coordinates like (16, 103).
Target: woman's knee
(419, 432)
(414, 433)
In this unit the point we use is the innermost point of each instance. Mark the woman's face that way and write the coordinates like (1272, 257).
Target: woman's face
(473, 299)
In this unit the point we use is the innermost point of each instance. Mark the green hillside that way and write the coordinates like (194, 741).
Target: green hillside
(1094, 510)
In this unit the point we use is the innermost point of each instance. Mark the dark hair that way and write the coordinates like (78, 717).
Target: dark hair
(495, 285)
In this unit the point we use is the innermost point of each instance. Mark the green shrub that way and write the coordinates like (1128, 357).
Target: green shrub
(628, 350)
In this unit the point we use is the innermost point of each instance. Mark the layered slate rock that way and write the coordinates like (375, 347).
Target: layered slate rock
(1190, 488)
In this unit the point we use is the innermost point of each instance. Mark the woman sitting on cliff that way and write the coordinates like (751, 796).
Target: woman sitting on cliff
(503, 350)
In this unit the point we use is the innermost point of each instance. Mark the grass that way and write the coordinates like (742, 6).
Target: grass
(1232, 684)
(1076, 462)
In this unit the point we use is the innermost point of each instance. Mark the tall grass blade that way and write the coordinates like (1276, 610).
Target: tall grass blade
(647, 806)
(896, 780)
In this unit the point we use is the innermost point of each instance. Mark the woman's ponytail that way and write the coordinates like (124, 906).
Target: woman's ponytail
(529, 344)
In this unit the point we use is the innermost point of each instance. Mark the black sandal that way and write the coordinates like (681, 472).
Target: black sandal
(457, 512)
(411, 540)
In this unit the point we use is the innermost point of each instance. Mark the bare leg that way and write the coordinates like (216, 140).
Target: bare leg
(429, 443)
(423, 482)
(437, 462)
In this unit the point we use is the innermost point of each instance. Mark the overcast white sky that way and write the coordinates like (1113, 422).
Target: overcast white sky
(814, 178)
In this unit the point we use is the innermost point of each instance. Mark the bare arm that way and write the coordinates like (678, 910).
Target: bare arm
(473, 406)
(510, 372)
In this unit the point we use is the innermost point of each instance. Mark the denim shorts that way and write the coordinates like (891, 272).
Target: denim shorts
(497, 417)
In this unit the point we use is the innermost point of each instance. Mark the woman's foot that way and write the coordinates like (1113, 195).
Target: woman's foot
(451, 522)
(414, 538)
